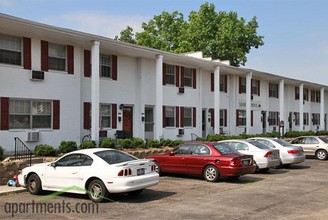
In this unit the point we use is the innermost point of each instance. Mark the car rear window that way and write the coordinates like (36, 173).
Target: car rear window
(282, 142)
(225, 149)
(259, 145)
(113, 156)
(324, 139)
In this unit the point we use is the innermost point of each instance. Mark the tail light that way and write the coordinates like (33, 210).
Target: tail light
(293, 151)
(235, 163)
(268, 154)
(153, 168)
(125, 172)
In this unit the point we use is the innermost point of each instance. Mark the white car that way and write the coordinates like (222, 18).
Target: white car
(289, 154)
(313, 146)
(265, 157)
(96, 172)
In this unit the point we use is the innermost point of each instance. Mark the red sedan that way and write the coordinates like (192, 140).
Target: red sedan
(210, 159)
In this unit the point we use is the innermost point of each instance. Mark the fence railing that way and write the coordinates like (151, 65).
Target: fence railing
(22, 152)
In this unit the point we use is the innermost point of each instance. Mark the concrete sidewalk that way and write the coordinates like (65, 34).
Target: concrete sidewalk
(4, 189)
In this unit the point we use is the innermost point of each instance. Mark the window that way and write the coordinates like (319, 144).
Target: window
(113, 156)
(200, 150)
(10, 50)
(105, 66)
(316, 119)
(169, 116)
(273, 90)
(188, 72)
(223, 117)
(312, 95)
(75, 160)
(223, 83)
(255, 87)
(273, 118)
(317, 96)
(297, 93)
(297, 118)
(187, 117)
(305, 118)
(183, 149)
(27, 114)
(242, 85)
(170, 74)
(105, 115)
(241, 117)
(57, 57)
(306, 94)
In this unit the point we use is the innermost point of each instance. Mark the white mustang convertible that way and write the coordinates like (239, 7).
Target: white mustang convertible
(96, 172)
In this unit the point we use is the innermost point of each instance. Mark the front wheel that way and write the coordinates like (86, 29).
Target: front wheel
(34, 184)
(321, 154)
(97, 191)
(211, 173)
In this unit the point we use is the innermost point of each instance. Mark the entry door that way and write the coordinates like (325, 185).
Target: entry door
(127, 121)
(290, 121)
(149, 123)
(204, 123)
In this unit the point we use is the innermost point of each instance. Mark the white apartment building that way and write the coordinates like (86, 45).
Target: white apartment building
(58, 84)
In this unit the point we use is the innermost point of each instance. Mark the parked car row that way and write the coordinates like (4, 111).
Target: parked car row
(98, 172)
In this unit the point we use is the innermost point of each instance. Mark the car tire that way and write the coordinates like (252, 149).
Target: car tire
(97, 191)
(321, 154)
(158, 168)
(33, 184)
(135, 193)
(211, 173)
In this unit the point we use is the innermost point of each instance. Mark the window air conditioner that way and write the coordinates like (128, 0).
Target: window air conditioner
(37, 75)
(33, 136)
(181, 90)
(181, 131)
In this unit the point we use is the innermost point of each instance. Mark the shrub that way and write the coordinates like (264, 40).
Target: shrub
(108, 142)
(138, 143)
(291, 134)
(152, 144)
(1, 153)
(67, 146)
(125, 143)
(166, 142)
(88, 144)
(44, 150)
(176, 143)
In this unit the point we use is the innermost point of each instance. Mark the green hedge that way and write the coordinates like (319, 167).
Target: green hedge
(67, 146)
(45, 150)
(88, 144)
(108, 142)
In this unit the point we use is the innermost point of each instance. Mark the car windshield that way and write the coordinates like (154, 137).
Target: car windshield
(113, 156)
(282, 142)
(324, 139)
(225, 149)
(259, 145)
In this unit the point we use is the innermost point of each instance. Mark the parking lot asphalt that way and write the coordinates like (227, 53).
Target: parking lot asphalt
(297, 192)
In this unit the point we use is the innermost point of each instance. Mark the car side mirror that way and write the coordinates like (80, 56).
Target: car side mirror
(53, 165)
(171, 153)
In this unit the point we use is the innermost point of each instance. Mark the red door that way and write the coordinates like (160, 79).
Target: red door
(127, 122)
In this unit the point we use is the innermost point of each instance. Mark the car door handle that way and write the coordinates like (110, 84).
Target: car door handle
(74, 172)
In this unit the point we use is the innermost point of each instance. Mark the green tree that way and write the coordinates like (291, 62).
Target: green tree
(219, 35)
(126, 35)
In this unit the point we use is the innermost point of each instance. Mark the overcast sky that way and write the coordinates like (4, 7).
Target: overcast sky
(295, 31)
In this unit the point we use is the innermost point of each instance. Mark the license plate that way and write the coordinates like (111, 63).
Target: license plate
(245, 162)
(140, 172)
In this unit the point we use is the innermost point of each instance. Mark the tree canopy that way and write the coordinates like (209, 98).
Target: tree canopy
(219, 35)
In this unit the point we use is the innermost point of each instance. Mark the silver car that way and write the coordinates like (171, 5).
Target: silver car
(265, 157)
(289, 154)
(313, 146)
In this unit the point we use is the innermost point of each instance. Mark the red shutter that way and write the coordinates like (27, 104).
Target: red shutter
(194, 117)
(225, 117)
(70, 59)
(226, 83)
(114, 67)
(177, 78)
(164, 124)
(56, 115)
(177, 116)
(252, 118)
(86, 115)
(27, 53)
(114, 116)
(212, 117)
(212, 82)
(44, 56)
(258, 87)
(182, 117)
(194, 78)
(87, 63)
(164, 74)
(237, 117)
(4, 105)
(240, 79)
